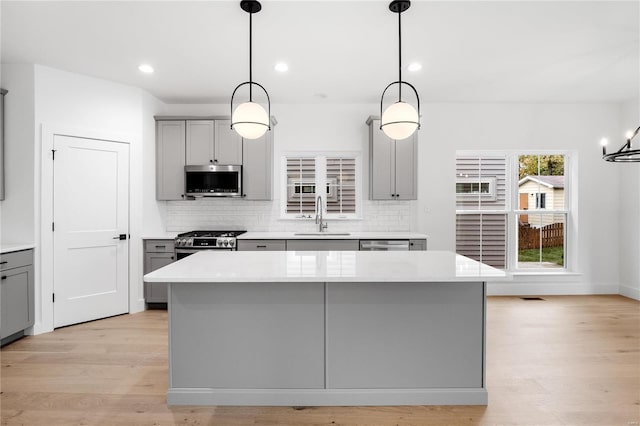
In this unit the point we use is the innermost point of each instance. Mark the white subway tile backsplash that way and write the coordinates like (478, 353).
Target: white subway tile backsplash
(228, 213)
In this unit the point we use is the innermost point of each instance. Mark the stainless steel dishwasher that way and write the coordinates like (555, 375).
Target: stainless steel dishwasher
(384, 245)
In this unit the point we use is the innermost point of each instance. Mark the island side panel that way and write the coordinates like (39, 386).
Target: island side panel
(247, 335)
(405, 335)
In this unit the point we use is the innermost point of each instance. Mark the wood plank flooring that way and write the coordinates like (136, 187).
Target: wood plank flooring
(566, 360)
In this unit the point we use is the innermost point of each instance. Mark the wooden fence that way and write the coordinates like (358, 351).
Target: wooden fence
(529, 238)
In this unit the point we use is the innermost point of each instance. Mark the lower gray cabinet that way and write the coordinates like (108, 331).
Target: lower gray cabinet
(16, 294)
(262, 245)
(157, 253)
(417, 244)
(308, 245)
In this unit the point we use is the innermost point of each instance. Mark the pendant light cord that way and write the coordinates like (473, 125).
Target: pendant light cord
(399, 57)
(250, 57)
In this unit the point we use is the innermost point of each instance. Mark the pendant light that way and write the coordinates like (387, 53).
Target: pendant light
(400, 120)
(250, 119)
(625, 154)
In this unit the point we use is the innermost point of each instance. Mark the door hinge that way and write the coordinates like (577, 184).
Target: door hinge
(53, 154)
(53, 297)
(53, 226)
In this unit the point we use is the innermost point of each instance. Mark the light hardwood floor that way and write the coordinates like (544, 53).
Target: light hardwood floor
(567, 360)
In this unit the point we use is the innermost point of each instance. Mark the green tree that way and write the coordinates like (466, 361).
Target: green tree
(543, 165)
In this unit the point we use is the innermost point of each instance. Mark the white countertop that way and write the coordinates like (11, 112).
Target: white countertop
(329, 235)
(9, 247)
(321, 266)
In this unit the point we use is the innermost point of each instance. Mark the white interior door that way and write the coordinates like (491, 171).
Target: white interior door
(91, 211)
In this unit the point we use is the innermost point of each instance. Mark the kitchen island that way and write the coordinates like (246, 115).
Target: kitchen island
(326, 328)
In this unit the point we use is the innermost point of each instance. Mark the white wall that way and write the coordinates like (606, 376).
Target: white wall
(18, 207)
(86, 105)
(577, 127)
(629, 217)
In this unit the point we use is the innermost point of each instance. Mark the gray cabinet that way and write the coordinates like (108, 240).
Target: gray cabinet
(405, 335)
(212, 141)
(2, 93)
(257, 167)
(417, 244)
(308, 245)
(157, 253)
(16, 294)
(392, 165)
(262, 245)
(170, 159)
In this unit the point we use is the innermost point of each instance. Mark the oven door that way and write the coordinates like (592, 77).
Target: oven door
(183, 252)
(213, 181)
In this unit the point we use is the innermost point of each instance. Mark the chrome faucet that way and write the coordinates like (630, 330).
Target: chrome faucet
(321, 226)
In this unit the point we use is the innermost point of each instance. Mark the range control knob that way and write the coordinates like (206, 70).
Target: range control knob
(190, 242)
(232, 243)
(226, 243)
(219, 242)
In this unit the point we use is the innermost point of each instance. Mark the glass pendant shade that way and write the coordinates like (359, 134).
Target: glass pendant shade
(250, 120)
(399, 120)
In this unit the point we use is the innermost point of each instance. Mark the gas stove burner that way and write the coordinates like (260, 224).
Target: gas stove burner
(208, 239)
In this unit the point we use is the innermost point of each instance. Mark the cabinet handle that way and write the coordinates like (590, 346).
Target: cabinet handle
(4, 277)
(215, 160)
(171, 257)
(261, 246)
(182, 195)
(397, 195)
(160, 246)
(211, 161)
(3, 262)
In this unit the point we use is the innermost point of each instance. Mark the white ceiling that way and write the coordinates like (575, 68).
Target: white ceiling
(339, 51)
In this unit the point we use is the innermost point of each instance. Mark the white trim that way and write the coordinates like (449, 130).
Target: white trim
(44, 237)
(630, 292)
(327, 397)
(545, 286)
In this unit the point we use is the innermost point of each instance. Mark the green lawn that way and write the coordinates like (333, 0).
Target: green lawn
(549, 254)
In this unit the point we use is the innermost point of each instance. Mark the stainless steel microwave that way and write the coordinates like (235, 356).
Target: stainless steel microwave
(211, 180)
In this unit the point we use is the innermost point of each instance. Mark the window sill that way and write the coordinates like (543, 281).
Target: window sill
(545, 273)
(324, 219)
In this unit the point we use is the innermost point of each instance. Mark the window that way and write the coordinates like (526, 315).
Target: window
(337, 174)
(522, 225)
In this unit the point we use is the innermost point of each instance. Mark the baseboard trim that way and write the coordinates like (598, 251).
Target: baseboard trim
(326, 397)
(549, 288)
(630, 292)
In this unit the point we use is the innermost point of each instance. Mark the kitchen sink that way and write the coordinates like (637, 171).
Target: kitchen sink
(321, 234)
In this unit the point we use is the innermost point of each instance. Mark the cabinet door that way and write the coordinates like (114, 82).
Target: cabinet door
(257, 168)
(156, 292)
(200, 137)
(406, 168)
(170, 150)
(417, 244)
(228, 146)
(382, 164)
(17, 303)
(320, 245)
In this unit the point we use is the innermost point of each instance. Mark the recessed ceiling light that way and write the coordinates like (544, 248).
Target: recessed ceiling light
(281, 67)
(146, 68)
(604, 141)
(414, 66)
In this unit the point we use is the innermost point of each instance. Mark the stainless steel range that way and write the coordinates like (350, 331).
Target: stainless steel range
(191, 242)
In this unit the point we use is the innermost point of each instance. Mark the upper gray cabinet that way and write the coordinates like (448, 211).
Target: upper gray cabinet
(257, 167)
(2, 93)
(212, 142)
(393, 165)
(170, 159)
